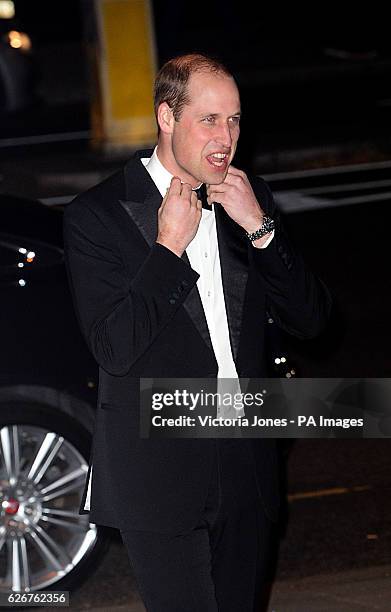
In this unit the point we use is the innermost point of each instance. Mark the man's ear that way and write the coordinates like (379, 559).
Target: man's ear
(165, 118)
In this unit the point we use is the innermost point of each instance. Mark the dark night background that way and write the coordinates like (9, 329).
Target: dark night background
(309, 76)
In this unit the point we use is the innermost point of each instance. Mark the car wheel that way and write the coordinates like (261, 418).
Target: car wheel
(44, 542)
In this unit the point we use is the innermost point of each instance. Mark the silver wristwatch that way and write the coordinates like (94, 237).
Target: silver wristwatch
(266, 227)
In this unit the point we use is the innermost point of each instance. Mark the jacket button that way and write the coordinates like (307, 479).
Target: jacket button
(172, 301)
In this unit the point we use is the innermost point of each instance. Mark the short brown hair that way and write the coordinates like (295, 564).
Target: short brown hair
(172, 79)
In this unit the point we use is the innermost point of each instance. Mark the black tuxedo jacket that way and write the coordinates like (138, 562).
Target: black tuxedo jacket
(141, 314)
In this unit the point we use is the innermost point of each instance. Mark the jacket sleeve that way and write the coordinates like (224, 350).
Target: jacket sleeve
(298, 301)
(120, 312)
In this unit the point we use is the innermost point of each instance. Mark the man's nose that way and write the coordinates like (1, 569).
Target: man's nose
(224, 136)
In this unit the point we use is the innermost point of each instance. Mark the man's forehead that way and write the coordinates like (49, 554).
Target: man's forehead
(209, 88)
(210, 78)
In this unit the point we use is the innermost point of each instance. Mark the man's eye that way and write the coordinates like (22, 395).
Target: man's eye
(208, 119)
(235, 120)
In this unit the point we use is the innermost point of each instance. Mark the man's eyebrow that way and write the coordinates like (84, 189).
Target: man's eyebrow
(238, 114)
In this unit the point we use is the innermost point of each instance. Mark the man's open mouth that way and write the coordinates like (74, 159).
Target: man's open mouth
(218, 160)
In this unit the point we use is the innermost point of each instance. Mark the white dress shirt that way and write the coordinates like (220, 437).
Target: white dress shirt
(203, 254)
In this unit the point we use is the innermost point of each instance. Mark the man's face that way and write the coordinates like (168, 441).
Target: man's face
(205, 137)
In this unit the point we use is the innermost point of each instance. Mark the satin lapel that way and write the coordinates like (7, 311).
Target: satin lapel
(234, 272)
(144, 214)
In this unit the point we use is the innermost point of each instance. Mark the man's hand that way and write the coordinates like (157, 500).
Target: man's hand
(178, 217)
(237, 197)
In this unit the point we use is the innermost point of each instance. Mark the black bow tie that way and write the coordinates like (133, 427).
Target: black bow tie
(201, 195)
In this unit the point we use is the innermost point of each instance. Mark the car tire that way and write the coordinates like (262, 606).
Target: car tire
(44, 542)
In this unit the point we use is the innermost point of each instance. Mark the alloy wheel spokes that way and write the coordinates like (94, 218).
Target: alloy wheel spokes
(70, 480)
(66, 513)
(9, 441)
(49, 549)
(18, 568)
(62, 523)
(44, 457)
(16, 577)
(42, 535)
(3, 537)
(25, 562)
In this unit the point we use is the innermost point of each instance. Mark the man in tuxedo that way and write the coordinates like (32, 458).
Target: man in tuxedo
(167, 286)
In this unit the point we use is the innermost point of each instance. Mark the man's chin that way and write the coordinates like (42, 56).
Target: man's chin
(213, 175)
(216, 178)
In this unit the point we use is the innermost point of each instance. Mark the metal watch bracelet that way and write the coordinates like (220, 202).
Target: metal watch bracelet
(266, 227)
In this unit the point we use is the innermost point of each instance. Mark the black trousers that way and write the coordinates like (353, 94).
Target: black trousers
(220, 565)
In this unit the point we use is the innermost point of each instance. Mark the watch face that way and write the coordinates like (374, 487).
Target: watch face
(268, 223)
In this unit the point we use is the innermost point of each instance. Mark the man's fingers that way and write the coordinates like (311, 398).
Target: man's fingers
(216, 196)
(175, 186)
(216, 192)
(235, 171)
(178, 189)
(164, 199)
(194, 199)
(233, 179)
(220, 188)
(186, 191)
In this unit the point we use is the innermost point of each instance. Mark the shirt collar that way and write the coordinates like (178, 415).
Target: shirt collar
(158, 173)
(160, 176)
